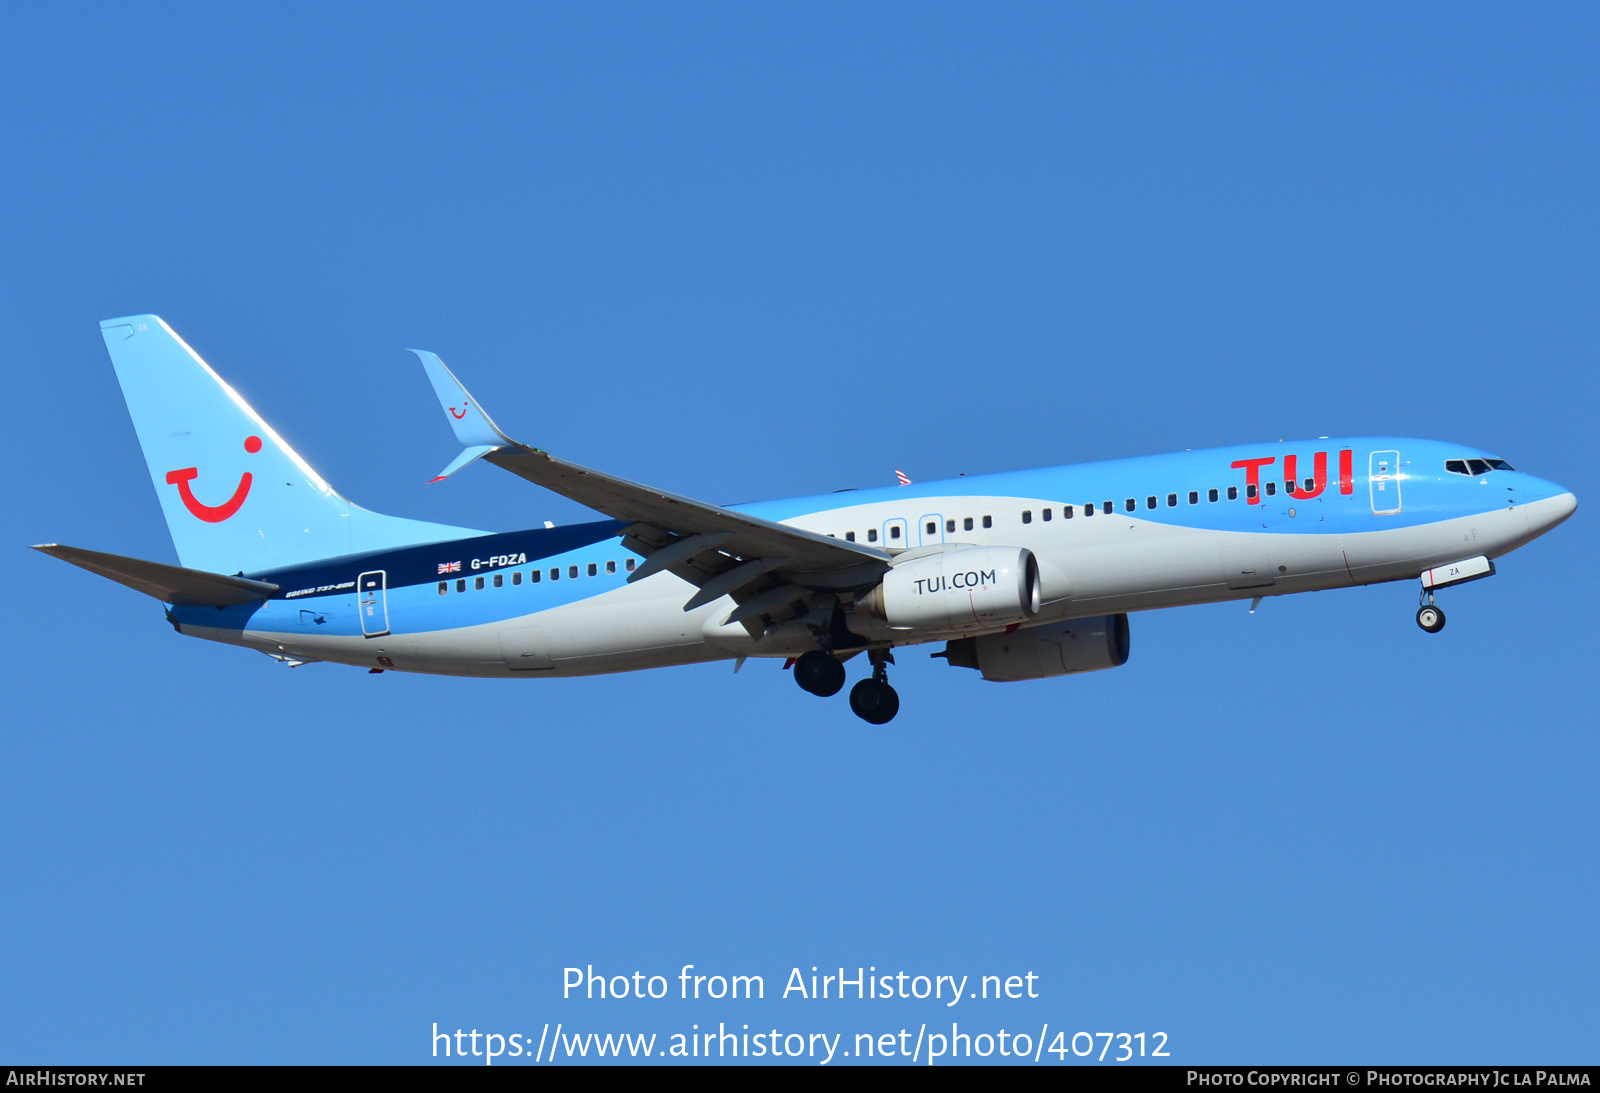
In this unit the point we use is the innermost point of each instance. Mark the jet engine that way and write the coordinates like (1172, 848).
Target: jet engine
(1061, 648)
(970, 588)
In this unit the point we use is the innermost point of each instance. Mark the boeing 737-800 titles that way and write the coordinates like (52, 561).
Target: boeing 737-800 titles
(1022, 575)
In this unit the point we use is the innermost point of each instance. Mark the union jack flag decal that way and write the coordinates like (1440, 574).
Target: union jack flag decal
(901, 475)
(449, 567)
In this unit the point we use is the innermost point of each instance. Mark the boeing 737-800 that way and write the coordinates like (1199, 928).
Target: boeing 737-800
(1022, 575)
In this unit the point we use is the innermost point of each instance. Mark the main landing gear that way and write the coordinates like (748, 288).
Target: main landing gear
(819, 673)
(1429, 616)
(872, 700)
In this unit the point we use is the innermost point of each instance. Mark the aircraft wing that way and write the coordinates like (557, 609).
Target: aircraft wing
(723, 551)
(168, 583)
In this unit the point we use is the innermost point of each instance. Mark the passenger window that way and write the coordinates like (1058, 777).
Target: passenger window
(477, 582)
(1027, 516)
(1272, 488)
(1150, 502)
(499, 580)
(1211, 495)
(628, 565)
(1172, 500)
(444, 586)
(572, 571)
(949, 525)
(849, 536)
(594, 570)
(1130, 504)
(1066, 512)
(611, 567)
(1311, 484)
(535, 574)
(1088, 510)
(1233, 493)
(516, 578)
(461, 585)
(1194, 497)
(1105, 507)
(1047, 516)
(988, 521)
(555, 573)
(933, 527)
(966, 524)
(872, 535)
(1250, 491)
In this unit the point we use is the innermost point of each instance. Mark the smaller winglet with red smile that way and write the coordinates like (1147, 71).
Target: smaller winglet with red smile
(478, 435)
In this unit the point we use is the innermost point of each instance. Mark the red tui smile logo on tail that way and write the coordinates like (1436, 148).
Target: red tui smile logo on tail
(213, 514)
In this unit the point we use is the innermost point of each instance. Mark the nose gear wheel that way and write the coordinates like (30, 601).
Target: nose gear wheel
(1430, 616)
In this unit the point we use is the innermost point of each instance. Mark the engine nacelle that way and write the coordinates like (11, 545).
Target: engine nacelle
(970, 588)
(1061, 648)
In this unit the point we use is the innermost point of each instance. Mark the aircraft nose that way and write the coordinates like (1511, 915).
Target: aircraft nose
(1547, 512)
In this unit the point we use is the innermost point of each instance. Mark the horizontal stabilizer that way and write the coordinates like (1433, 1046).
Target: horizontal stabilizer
(167, 583)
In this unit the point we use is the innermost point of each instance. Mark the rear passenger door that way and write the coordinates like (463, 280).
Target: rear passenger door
(372, 602)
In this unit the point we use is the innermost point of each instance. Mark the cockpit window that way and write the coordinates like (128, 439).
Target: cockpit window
(1475, 468)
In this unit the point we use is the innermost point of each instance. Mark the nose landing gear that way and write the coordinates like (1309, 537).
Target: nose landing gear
(873, 700)
(1429, 616)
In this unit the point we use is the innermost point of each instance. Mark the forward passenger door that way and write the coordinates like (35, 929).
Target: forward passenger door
(1383, 478)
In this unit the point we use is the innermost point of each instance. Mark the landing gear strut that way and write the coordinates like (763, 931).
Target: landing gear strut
(1429, 616)
(873, 700)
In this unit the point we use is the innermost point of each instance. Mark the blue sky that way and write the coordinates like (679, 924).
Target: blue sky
(757, 252)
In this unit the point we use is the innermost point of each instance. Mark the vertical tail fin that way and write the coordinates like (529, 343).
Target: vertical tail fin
(236, 497)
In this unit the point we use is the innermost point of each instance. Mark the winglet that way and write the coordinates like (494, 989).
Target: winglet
(473, 428)
(477, 451)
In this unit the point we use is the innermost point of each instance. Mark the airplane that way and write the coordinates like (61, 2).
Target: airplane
(1022, 575)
